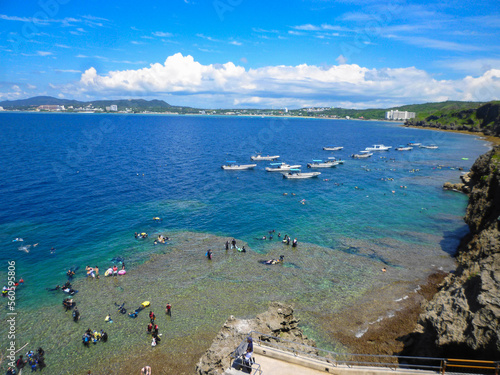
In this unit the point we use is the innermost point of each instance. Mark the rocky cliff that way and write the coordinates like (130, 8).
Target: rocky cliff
(463, 318)
(278, 321)
(485, 119)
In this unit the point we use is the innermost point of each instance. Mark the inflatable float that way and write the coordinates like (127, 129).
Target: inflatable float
(109, 272)
(122, 272)
(145, 304)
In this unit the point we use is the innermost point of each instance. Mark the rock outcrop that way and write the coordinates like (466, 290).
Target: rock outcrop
(278, 321)
(485, 119)
(463, 187)
(463, 318)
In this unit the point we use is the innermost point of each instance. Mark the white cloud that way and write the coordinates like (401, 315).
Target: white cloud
(235, 43)
(68, 71)
(471, 66)
(182, 76)
(31, 87)
(44, 53)
(162, 34)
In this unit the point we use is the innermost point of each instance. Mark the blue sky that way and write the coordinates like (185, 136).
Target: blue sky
(240, 53)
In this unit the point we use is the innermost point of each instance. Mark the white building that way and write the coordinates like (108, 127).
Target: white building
(1, 108)
(113, 108)
(399, 115)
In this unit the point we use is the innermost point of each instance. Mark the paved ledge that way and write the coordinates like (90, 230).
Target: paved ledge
(278, 362)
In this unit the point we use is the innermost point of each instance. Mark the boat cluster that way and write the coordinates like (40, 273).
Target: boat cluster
(289, 171)
(368, 151)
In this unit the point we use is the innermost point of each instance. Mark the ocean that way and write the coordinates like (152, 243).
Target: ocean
(76, 187)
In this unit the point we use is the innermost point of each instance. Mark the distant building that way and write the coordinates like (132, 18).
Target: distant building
(113, 108)
(1, 109)
(47, 107)
(399, 115)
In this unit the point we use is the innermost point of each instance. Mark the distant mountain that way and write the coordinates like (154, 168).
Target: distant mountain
(134, 104)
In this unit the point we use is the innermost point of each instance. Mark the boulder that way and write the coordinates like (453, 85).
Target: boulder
(278, 321)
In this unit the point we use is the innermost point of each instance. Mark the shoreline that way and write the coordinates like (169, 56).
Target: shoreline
(202, 115)
(489, 138)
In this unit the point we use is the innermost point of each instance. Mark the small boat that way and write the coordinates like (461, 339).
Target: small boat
(333, 148)
(403, 148)
(430, 147)
(232, 166)
(297, 174)
(259, 157)
(333, 158)
(378, 148)
(322, 164)
(362, 155)
(414, 144)
(280, 167)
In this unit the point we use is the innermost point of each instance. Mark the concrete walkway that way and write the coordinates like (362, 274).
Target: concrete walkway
(276, 362)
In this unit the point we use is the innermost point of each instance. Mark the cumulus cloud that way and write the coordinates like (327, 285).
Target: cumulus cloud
(182, 76)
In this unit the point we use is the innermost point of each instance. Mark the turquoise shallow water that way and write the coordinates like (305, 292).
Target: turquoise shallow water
(84, 184)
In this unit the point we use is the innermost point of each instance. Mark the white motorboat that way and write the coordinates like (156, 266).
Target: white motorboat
(333, 158)
(414, 144)
(333, 148)
(281, 167)
(259, 157)
(403, 148)
(322, 164)
(378, 148)
(362, 155)
(297, 174)
(232, 166)
(430, 147)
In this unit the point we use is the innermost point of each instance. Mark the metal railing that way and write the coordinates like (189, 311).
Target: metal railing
(322, 356)
(471, 364)
(253, 368)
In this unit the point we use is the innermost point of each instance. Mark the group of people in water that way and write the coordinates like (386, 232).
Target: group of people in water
(286, 239)
(153, 328)
(94, 336)
(34, 361)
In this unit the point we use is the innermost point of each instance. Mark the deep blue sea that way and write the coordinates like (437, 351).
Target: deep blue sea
(84, 183)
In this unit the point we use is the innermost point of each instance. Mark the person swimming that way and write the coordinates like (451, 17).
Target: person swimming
(275, 261)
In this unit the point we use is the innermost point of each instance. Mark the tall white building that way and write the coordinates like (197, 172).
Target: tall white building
(399, 115)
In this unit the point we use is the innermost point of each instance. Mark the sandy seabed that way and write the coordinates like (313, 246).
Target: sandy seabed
(323, 285)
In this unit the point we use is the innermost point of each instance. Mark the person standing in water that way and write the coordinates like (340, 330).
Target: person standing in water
(168, 309)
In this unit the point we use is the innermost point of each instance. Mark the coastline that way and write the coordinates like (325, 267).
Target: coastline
(203, 115)
(489, 138)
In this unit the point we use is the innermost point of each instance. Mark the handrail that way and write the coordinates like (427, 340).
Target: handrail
(351, 359)
(470, 364)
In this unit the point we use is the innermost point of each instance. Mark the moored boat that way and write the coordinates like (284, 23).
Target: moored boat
(281, 167)
(333, 148)
(333, 158)
(232, 166)
(297, 174)
(378, 148)
(259, 157)
(403, 148)
(414, 144)
(430, 147)
(322, 164)
(362, 155)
